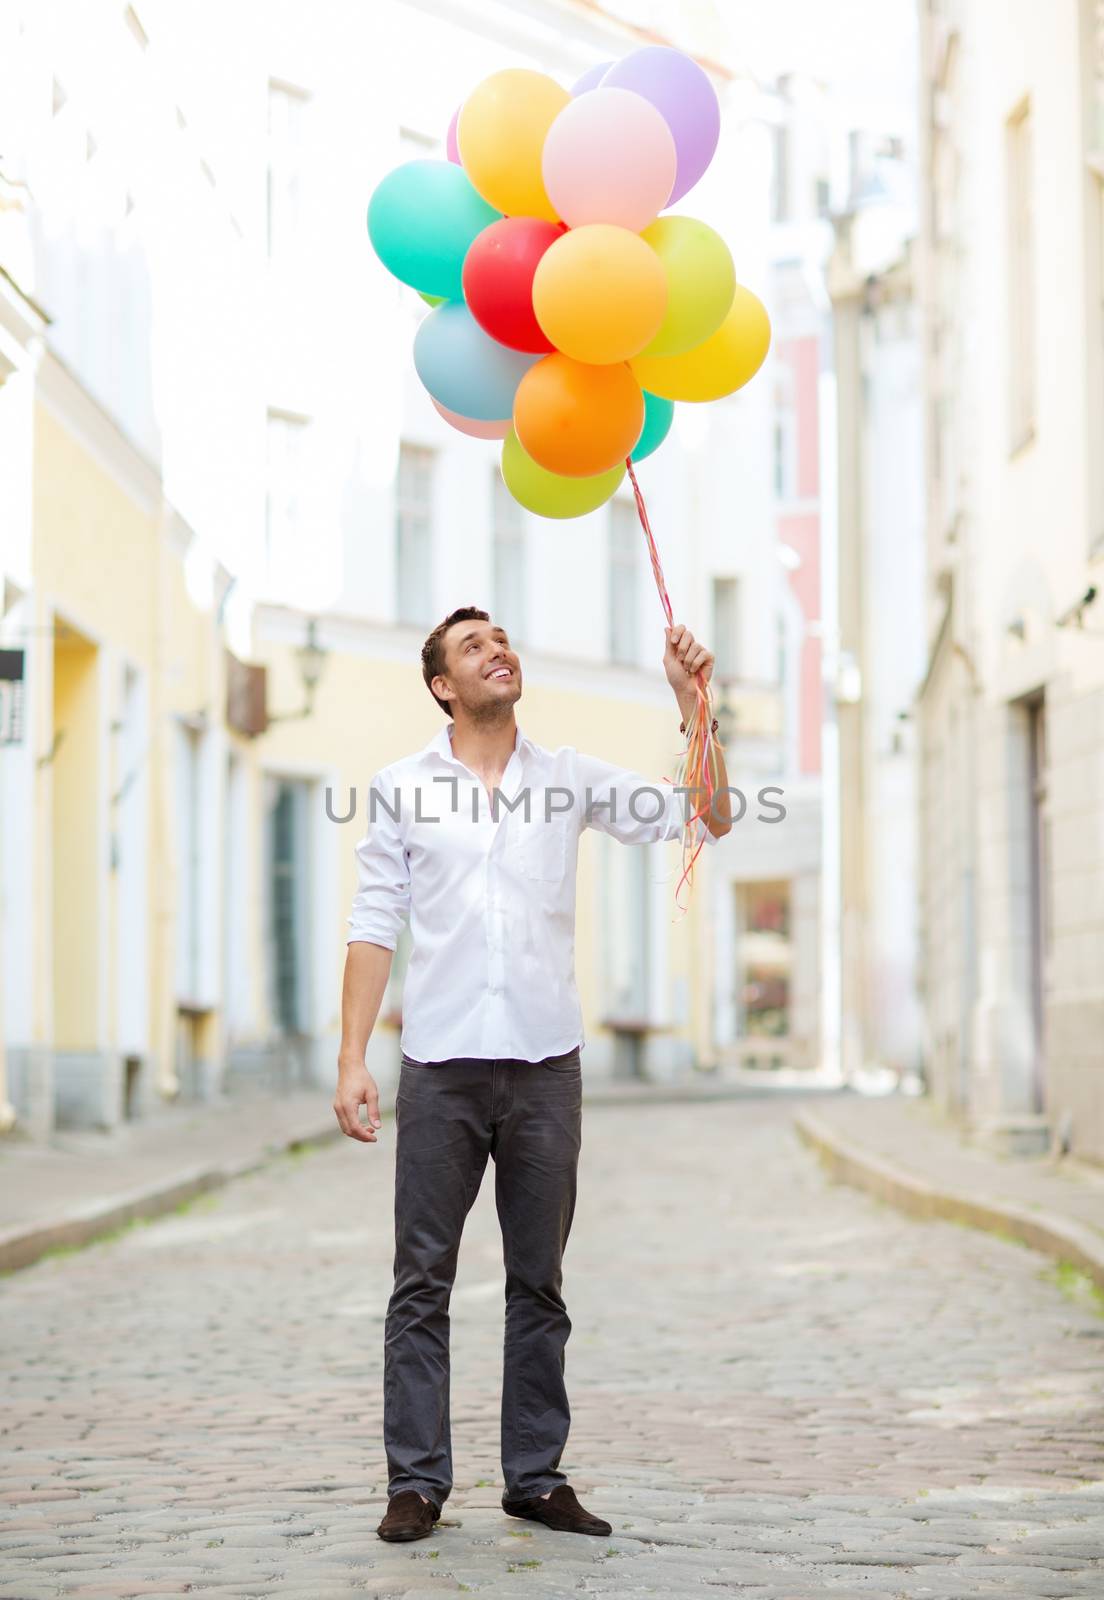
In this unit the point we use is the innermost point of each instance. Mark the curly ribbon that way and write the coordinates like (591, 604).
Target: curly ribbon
(697, 768)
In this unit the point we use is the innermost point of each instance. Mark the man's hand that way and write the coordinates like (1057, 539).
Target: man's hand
(683, 658)
(367, 969)
(356, 1087)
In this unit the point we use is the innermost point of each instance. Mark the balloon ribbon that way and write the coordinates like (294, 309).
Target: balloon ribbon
(697, 768)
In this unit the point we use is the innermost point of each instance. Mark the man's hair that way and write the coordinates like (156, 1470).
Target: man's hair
(433, 651)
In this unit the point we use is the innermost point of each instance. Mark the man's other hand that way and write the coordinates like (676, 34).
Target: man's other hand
(356, 1087)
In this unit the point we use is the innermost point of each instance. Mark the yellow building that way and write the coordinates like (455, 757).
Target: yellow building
(181, 920)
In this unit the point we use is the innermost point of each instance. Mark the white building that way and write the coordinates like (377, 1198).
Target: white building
(1012, 706)
(234, 362)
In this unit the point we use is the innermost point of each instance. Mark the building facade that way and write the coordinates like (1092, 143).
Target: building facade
(234, 518)
(1011, 709)
(878, 577)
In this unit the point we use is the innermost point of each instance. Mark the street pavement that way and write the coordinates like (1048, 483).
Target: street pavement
(780, 1387)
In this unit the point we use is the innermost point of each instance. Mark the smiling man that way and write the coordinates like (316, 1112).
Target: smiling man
(475, 839)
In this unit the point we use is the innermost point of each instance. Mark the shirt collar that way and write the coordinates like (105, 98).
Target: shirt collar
(441, 743)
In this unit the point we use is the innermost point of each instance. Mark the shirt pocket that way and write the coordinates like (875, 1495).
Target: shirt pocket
(538, 850)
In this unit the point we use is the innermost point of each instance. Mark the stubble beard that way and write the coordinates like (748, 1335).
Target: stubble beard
(492, 713)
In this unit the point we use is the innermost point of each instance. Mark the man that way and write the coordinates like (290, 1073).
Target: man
(475, 837)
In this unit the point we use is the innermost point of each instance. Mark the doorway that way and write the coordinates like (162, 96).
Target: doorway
(764, 975)
(289, 930)
(1039, 888)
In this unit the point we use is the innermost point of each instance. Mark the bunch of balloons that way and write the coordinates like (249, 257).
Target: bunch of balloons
(568, 314)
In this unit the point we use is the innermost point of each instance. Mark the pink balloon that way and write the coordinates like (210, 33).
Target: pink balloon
(473, 428)
(683, 94)
(609, 157)
(452, 147)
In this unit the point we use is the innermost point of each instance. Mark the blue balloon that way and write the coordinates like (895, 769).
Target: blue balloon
(658, 416)
(421, 219)
(464, 369)
(591, 78)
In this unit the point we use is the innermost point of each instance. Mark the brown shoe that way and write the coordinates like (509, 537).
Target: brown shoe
(561, 1511)
(408, 1516)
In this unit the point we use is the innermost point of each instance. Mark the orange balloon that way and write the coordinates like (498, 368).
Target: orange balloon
(578, 420)
(600, 293)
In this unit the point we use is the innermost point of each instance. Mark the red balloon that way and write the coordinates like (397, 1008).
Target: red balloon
(498, 279)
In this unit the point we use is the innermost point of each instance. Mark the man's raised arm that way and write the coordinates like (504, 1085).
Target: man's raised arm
(621, 802)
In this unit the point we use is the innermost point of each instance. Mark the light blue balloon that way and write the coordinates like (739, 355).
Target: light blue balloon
(658, 416)
(421, 219)
(591, 78)
(464, 369)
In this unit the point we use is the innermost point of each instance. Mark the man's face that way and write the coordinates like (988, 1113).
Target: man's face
(481, 671)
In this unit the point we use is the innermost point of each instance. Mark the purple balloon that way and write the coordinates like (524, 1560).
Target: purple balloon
(683, 94)
(591, 78)
(452, 149)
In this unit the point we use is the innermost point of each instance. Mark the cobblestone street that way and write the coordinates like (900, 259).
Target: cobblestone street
(779, 1387)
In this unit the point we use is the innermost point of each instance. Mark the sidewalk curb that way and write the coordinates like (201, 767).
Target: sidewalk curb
(23, 1246)
(1042, 1230)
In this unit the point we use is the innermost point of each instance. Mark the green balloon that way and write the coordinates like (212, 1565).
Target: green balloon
(433, 299)
(547, 493)
(658, 416)
(421, 220)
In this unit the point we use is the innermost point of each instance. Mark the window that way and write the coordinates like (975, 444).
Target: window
(286, 125)
(780, 176)
(725, 624)
(188, 862)
(289, 900)
(1040, 857)
(237, 859)
(856, 161)
(624, 565)
(414, 536)
(508, 556)
(1092, 67)
(1021, 279)
(284, 530)
(784, 438)
(629, 956)
(783, 457)
(765, 960)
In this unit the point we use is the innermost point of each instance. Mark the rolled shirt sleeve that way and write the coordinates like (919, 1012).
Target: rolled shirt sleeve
(381, 904)
(614, 799)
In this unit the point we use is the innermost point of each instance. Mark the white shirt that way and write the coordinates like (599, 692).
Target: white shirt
(492, 902)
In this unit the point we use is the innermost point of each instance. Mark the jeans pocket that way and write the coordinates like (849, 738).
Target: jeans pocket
(565, 1064)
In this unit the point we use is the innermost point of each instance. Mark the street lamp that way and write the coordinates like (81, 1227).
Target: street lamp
(312, 660)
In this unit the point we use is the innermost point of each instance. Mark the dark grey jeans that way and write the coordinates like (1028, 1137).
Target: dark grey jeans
(450, 1115)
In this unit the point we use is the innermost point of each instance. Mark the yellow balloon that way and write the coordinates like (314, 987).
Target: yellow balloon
(701, 281)
(599, 293)
(500, 134)
(548, 494)
(720, 365)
